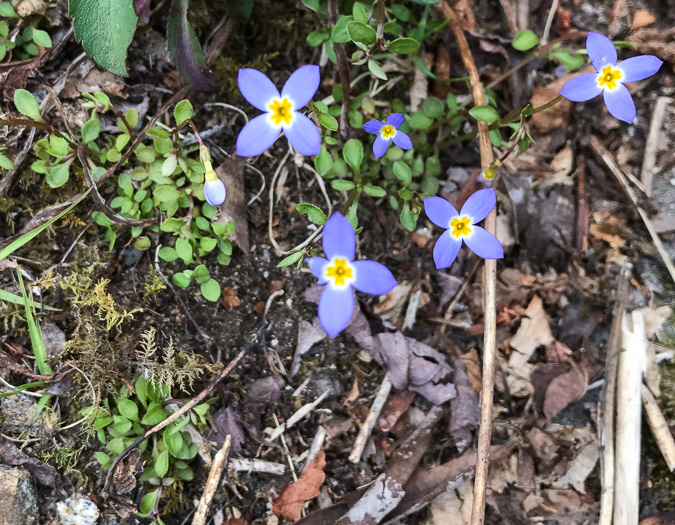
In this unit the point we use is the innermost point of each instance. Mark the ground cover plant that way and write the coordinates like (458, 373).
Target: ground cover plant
(191, 193)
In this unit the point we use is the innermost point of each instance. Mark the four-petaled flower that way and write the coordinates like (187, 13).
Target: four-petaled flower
(341, 274)
(281, 112)
(388, 131)
(461, 226)
(610, 77)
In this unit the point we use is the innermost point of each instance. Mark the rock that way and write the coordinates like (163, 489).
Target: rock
(18, 501)
(77, 510)
(18, 411)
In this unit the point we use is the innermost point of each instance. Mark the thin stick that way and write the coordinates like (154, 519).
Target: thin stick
(304, 411)
(549, 21)
(660, 429)
(489, 278)
(628, 418)
(606, 406)
(371, 418)
(651, 148)
(212, 483)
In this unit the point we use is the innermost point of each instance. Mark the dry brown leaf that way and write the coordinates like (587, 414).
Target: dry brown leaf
(666, 518)
(234, 209)
(561, 167)
(473, 371)
(453, 507)
(291, 500)
(353, 393)
(395, 406)
(230, 299)
(391, 305)
(557, 385)
(642, 18)
(556, 116)
(580, 468)
(609, 229)
(464, 12)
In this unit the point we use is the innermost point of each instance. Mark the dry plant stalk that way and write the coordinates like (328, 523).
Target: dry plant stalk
(371, 418)
(489, 278)
(660, 429)
(212, 483)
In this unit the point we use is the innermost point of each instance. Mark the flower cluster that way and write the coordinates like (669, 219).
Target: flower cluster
(338, 272)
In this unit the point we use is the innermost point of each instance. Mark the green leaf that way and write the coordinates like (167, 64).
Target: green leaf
(484, 114)
(433, 165)
(292, 258)
(154, 415)
(402, 171)
(58, 147)
(166, 193)
(185, 50)
(169, 165)
(328, 122)
(403, 46)
(116, 446)
(353, 154)
(6, 162)
(420, 120)
(211, 290)
(359, 13)
(340, 35)
(148, 502)
(128, 409)
(181, 279)
(314, 213)
(323, 162)
(173, 440)
(168, 254)
(525, 40)
(343, 185)
(183, 111)
(360, 32)
(207, 244)
(121, 424)
(408, 218)
(26, 104)
(141, 388)
(162, 464)
(567, 59)
(184, 250)
(375, 68)
(42, 38)
(104, 460)
(58, 175)
(91, 130)
(102, 420)
(105, 28)
(7, 10)
(433, 107)
(374, 191)
(315, 38)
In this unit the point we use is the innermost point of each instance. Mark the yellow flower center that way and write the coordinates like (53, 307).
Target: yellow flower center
(459, 226)
(281, 112)
(388, 131)
(339, 272)
(608, 77)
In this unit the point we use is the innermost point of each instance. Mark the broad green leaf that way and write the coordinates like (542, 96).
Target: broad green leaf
(408, 218)
(154, 415)
(104, 460)
(327, 121)
(128, 409)
(184, 250)
(484, 114)
(343, 185)
(6, 163)
(374, 191)
(525, 40)
(91, 130)
(141, 388)
(162, 464)
(105, 28)
(168, 254)
(314, 213)
(292, 258)
(420, 120)
(340, 35)
(433, 107)
(183, 111)
(353, 154)
(360, 32)
(375, 68)
(7, 10)
(404, 46)
(166, 193)
(173, 440)
(26, 104)
(402, 171)
(185, 50)
(58, 175)
(42, 38)
(181, 280)
(148, 502)
(359, 13)
(323, 162)
(211, 290)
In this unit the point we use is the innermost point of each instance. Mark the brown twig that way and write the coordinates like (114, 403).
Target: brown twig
(582, 210)
(343, 74)
(212, 483)
(489, 278)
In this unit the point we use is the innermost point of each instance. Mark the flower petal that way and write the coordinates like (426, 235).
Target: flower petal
(402, 140)
(601, 50)
(257, 136)
(446, 250)
(373, 126)
(214, 192)
(339, 239)
(380, 146)
(257, 88)
(373, 278)
(639, 68)
(303, 135)
(620, 104)
(479, 204)
(396, 120)
(336, 307)
(581, 88)
(317, 265)
(484, 244)
(301, 86)
(439, 211)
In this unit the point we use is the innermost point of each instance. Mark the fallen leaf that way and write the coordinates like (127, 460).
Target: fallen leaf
(561, 167)
(473, 371)
(642, 18)
(124, 477)
(453, 507)
(610, 229)
(353, 393)
(665, 518)
(230, 299)
(464, 409)
(234, 209)
(275, 286)
(580, 468)
(291, 500)
(308, 335)
(395, 406)
(391, 305)
(556, 116)
(556, 385)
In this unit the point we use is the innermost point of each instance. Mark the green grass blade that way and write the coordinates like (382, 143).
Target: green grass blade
(9, 297)
(35, 332)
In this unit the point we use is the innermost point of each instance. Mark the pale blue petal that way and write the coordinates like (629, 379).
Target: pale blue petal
(339, 239)
(317, 265)
(639, 68)
(581, 88)
(257, 88)
(402, 140)
(257, 136)
(380, 146)
(601, 50)
(446, 250)
(396, 120)
(303, 135)
(479, 204)
(373, 126)
(484, 244)
(214, 192)
(620, 104)
(336, 307)
(439, 211)
(373, 278)
(301, 86)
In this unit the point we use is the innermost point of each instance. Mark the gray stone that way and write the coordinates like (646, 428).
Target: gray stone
(18, 501)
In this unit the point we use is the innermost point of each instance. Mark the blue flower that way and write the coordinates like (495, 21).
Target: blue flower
(462, 227)
(387, 132)
(281, 112)
(610, 77)
(341, 274)
(214, 189)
